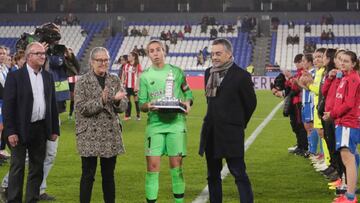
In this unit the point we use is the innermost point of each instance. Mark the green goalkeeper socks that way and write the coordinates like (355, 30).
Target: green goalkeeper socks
(178, 184)
(151, 186)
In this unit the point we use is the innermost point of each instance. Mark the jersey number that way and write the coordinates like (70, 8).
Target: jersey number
(149, 142)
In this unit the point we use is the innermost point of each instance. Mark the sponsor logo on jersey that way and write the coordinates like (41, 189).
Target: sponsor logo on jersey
(157, 93)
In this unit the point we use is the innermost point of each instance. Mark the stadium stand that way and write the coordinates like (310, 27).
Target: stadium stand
(76, 37)
(345, 36)
(184, 52)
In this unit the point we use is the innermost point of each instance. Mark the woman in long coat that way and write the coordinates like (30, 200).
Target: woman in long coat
(99, 97)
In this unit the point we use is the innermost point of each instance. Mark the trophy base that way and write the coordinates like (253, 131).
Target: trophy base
(180, 108)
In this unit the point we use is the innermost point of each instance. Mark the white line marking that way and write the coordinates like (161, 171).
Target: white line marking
(204, 195)
(252, 118)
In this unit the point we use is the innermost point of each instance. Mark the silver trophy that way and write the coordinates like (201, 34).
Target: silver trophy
(169, 103)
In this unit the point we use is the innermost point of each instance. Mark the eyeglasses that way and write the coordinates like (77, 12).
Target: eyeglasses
(101, 61)
(39, 53)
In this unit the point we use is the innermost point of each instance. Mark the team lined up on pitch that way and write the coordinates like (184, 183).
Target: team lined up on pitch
(322, 100)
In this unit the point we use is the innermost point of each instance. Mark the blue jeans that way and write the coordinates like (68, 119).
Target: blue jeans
(51, 151)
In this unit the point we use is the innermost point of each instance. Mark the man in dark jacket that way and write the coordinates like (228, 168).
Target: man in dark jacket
(30, 118)
(231, 101)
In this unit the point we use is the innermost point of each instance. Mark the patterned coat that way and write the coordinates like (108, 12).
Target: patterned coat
(98, 128)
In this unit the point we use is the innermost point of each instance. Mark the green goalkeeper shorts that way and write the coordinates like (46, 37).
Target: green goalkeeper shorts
(170, 144)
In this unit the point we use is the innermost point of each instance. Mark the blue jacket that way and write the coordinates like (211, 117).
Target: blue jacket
(57, 68)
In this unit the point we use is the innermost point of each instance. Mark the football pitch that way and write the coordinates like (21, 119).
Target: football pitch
(276, 175)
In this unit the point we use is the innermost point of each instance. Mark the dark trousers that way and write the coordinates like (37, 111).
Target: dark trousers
(330, 138)
(298, 127)
(72, 89)
(128, 110)
(71, 108)
(130, 92)
(87, 178)
(2, 143)
(237, 168)
(36, 146)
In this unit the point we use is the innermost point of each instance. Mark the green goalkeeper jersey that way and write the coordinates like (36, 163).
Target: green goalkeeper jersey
(152, 87)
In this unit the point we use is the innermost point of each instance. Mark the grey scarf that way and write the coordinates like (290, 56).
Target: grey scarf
(215, 79)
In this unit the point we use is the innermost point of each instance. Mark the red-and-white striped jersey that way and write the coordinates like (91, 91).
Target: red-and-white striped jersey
(131, 75)
(72, 79)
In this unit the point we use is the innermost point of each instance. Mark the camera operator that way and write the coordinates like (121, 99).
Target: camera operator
(61, 63)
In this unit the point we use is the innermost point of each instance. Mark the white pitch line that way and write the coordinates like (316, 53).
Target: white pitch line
(204, 195)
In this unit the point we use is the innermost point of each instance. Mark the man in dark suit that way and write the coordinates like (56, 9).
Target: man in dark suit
(231, 101)
(30, 118)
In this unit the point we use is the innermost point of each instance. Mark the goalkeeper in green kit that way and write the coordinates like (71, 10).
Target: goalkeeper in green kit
(165, 131)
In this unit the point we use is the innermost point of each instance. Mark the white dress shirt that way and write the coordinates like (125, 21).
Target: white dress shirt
(3, 72)
(37, 86)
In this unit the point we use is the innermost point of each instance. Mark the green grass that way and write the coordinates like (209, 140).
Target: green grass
(276, 176)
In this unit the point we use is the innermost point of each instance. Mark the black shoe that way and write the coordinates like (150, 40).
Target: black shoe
(328, 171)
(297, 151)
(340, 190)
(333, 176)
(302, 152)
(46, 197)
(306, 154)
